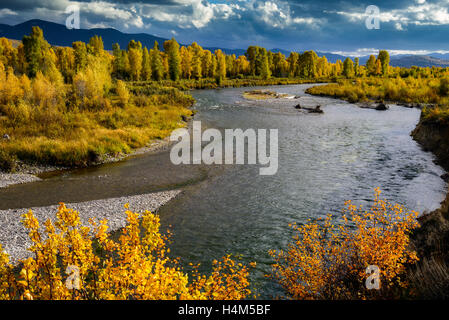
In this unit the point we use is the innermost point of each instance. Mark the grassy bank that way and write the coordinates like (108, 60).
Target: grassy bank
(78, 136)
(210, 83)
(433, 92)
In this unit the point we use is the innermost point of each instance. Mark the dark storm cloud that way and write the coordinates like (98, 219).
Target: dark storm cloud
(337, 25)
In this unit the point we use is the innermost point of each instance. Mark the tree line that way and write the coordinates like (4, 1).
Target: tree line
(175, 62)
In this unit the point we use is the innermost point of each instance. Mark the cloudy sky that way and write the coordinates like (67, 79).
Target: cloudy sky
(418, 26)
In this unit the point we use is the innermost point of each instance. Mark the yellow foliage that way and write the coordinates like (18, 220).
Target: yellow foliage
(329, 261)
(137, 266)
(45, 93)
(122, 92)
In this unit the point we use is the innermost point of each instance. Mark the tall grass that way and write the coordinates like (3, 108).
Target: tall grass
(432, 92)
(76, 136)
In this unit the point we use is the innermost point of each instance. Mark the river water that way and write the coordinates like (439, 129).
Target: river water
(323, 160)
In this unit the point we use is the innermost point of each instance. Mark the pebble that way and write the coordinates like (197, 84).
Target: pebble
(14, 237)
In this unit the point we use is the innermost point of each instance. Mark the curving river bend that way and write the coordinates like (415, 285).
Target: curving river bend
(323, 160)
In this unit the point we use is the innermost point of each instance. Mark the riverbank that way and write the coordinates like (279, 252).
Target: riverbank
(431, 240)
(25, 171)
(14, 236)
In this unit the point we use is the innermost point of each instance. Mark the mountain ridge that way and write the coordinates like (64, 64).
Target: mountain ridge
(59, 35)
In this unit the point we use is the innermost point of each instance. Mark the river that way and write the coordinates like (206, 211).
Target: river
(323, 160)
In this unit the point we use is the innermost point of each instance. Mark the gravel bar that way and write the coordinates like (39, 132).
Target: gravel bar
(14, 237)
(7, 179)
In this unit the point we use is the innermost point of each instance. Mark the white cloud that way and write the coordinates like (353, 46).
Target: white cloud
(368, 51)
(279, 15)
(7, 12)
(190, 13)
(421, 13)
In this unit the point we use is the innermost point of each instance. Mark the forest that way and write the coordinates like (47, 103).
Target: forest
(74, 106)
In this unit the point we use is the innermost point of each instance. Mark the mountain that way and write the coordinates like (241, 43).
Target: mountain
(58, 35)
(418, 60)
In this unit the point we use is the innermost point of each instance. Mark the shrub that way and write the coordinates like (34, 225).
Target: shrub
(443, 88)
(122, 92)
(137, 266)
(8, 162)
(326, 261)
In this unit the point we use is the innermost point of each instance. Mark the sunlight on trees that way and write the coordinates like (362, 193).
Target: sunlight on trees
(328, 259)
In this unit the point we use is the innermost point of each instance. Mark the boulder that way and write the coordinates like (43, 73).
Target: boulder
(445, 177)
(298, 106)
(381, 106)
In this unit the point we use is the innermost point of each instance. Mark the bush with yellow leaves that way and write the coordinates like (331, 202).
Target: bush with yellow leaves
(326, 261)
(134, 267)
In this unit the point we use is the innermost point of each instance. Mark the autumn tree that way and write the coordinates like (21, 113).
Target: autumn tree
(356, 66)
(384, 58)
(157, 67)
(278, 65)
(80, 52)
(242, 65)
(146, 65)
(120, 61)
(8, 55)
(348, 68)
(221, 66)
(171, 48)
(292, 60)
(265, 72)
(34, 48)
(307, 64)
(135, 59)
(197, 53)
(251, 54)
(186, 62)
(206, 63)
(322, 67)
(371, 65)
(95, 45)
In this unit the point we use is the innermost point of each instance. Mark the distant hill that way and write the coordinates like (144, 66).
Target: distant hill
(58, 35)
(418, 60)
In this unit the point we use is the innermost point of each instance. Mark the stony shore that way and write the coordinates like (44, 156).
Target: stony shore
(14, 237)
(26, 173)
